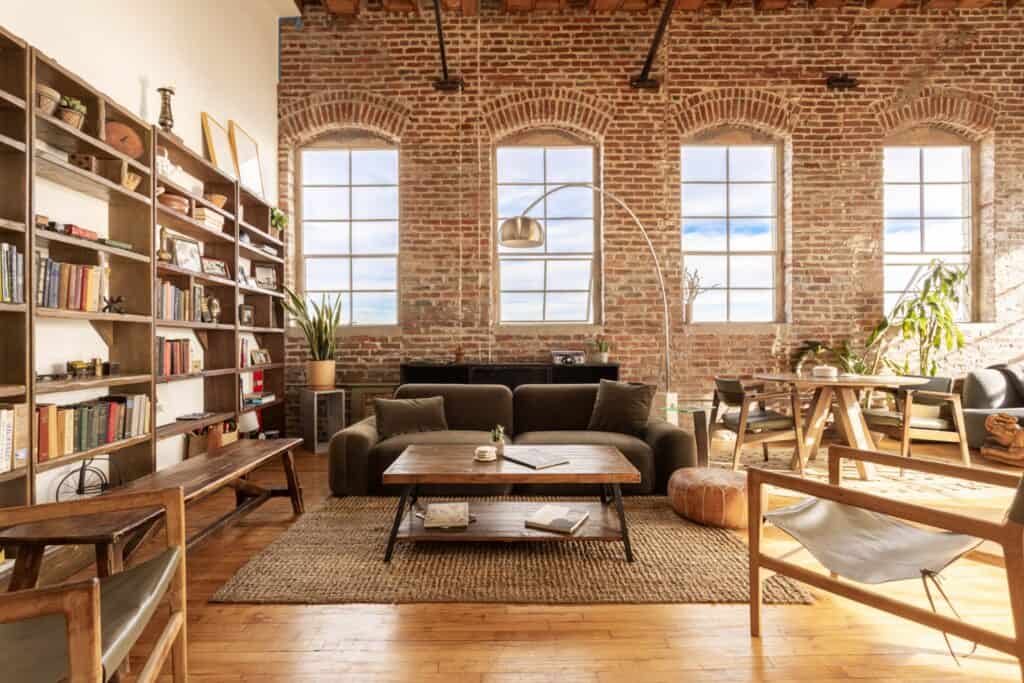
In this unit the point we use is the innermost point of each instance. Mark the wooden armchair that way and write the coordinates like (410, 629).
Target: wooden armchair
(755, 423)
(82, 632)
(1009, 535)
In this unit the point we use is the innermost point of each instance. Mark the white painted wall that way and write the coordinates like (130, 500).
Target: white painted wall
(220, 56)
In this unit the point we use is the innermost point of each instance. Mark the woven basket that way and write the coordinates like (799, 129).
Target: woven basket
(47, 99)
(73, 118)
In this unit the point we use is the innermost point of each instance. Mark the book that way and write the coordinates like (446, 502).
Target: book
(534, 457)
(6, 441)
(558, 518)
(446, 516)
(19, 436)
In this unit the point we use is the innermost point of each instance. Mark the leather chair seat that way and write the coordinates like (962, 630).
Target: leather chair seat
(636, 450)
(388, 450)
(37, 649)
(759, 420)
(891, 418)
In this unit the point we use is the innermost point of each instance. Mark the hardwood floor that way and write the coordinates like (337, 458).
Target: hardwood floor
(833, 640)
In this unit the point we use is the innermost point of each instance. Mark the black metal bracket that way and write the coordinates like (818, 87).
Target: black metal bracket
(446, 83)
(644, 80)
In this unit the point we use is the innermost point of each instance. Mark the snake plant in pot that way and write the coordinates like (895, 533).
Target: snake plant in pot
(318, 323)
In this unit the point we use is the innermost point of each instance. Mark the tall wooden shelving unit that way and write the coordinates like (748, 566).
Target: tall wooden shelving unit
(133, 217)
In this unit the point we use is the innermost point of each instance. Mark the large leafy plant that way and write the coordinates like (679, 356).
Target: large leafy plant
(317, 320)
(927, 318)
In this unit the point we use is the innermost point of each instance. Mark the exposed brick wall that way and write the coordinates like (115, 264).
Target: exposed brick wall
(959, 70)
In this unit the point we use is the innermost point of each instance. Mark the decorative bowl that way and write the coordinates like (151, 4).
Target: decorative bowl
(218, 200)
(175, 202)
(124, 139)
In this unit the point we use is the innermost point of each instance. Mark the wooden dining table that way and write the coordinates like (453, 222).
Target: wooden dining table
(849, 416)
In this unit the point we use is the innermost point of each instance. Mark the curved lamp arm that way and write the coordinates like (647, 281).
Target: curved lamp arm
(654, 256)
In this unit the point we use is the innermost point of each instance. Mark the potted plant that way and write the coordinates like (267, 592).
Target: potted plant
(278, 222)
(498, 440)
(72, 111)
(318, 323)
(691, 290)
(600, 348)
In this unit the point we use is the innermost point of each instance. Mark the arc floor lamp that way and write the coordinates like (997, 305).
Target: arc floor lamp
(523, 232)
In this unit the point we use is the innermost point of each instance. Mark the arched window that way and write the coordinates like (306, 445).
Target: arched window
(349, 215)
(731, 204)
(559, 281)
(929, 209)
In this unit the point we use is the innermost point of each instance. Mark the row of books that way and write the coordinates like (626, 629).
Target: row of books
(64, 430)
(12, 274)
(173, 303)
(208, 217)
(13, 436)
(71, 285)
(173, 356)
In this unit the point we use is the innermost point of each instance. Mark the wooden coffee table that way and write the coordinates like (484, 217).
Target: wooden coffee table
(504, 521)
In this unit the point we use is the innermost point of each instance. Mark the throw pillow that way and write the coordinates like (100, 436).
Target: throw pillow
(409, 415)
(622, 407)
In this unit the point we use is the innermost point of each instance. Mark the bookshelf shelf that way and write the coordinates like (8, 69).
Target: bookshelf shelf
(11, 226)
(11, 101)
(260, 235)
(257, 291)
(8, 390)
(92, 452)
(55, 132)
(217, 327)
(219, 372)
(14, 474)
(85, 182)
(266, 366)
(168, 269)
(262, 330)
(8, 144)
(93, 316)
(200, 201)
(179, 222)
(249, 409)
(91, 245)
(166, 379)
(55, 387)
(256, 254)
(185, 426)
(13, 308)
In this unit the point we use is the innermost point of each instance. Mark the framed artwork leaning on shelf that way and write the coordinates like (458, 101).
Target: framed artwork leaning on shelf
(186, 254)
(266, 275)
(213, 266)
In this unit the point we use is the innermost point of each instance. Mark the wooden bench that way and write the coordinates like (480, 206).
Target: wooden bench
(117, 535)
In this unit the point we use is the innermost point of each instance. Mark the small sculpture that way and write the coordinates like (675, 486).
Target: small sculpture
(213, 305)
(163, 254)
(166, 119)
(1005, 430)
(114, 305)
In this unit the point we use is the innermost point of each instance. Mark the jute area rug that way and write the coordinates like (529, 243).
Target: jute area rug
(334, 555)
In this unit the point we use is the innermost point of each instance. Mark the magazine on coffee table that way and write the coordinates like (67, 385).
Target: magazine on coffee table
(534, 457)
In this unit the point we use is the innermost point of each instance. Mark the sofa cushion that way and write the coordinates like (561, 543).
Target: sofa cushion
(636, 451)
(989, 389)
(468, 406)
(554, 407)
(409, 415)
(388, 450)
(892, 418)
(622, 407)
(759, 421)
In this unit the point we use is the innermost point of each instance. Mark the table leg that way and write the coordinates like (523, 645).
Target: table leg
(26, 568)
(109, 559)
(700, 434)
(294, 489)
(406, 491)
(821, 405)
(617, 492)
(855, 428)
(604, 494)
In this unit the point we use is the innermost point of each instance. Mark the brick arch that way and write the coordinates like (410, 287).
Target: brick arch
(972, 116)
(305, 120)
(761, 110)
(561, 108)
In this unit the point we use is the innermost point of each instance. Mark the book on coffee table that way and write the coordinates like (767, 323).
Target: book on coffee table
(559, 518)
(446, 516)
(534, 457)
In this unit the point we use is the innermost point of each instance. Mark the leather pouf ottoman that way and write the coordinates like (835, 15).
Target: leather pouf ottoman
(715, 497)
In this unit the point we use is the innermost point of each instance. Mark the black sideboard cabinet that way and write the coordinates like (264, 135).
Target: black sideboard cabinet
(509, 374)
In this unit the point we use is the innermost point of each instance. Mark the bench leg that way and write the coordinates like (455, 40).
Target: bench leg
(294, 489)
(26, 568)
(617, 493)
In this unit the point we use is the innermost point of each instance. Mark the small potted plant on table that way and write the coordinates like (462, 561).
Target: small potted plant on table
(72, 112)
(318, 323)
(600, 349)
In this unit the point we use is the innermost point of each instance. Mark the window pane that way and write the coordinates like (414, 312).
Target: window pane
(570, 237)
(902, 201)
(326, 273)
(518, 307)
(704, 163)
(752, 234)
(947, 235)
(752, 271)
(324, 167)
(569, 275)
(902, 235)
(752, 199)
(710, 306)
(570, 164)
(751, 305)
(513, 199)
(324, 238)
(946, 165)
(374, 167)
(518, 251)
(376, 308)
(528, 275)
(572, 202)
(567, 306)
(902, 164)
(330, 297)
(377, 237)
(899, 278)
(941, 201)
(704, 200)
(374, 202)
(710, 268)
(324, 203)
(890, 301)
(751, 163)
(520, 164)
(704, 235)
(374, 273)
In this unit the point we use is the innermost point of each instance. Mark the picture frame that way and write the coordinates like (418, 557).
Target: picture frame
(260, 357)
(187, 254)
(266, 275)
(213, 266)
(246, 315)
(244, 269)
(218, 146)
(246, 151)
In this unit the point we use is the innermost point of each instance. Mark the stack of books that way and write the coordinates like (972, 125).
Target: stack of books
(558, 518)
(12, 274)
(173, 356)
(257, 399)
(68, 429)
(70, 285)
(179, 304)
(13, 437)
(209, 218)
